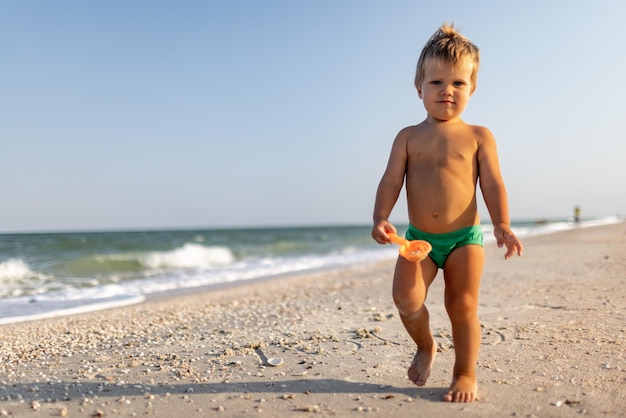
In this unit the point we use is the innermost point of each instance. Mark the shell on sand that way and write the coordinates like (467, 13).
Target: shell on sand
(275, 361)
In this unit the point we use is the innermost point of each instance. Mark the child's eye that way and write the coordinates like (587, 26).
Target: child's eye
(435, 82)
(459, 83)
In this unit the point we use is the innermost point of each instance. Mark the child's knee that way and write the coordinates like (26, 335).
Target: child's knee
(406, 305)
(462, 306)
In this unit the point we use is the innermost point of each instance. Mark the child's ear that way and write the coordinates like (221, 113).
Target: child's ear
(419, 92)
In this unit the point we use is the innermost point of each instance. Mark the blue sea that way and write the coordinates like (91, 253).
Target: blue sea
(50, 274)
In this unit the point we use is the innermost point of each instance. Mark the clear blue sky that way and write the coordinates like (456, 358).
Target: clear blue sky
(160, 114)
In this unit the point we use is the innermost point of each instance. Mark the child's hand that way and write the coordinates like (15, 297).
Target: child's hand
(380, 230)
(505, 237)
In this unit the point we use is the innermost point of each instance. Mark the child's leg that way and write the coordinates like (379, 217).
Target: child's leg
(462, 273)
(410, 287)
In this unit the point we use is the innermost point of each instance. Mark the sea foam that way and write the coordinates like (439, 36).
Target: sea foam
(16, 276)
(14, 268)
(189, 256)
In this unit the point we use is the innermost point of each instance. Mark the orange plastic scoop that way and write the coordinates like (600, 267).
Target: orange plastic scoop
(411, 250)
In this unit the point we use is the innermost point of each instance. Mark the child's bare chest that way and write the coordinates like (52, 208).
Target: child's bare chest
(441, 152)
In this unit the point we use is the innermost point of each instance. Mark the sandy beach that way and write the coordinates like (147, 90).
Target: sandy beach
(554, 331)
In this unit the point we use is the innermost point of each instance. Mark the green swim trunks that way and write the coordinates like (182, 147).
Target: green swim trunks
(444, 244)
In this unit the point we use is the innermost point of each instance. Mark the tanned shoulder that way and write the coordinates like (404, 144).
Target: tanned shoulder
(483, 135)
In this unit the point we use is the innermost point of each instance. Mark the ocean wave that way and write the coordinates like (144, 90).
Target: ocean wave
(14, 269)
(189, 256)
(131, 264)
(17, 278)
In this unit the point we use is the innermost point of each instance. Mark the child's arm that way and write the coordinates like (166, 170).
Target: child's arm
(494, 193)
(389, 189)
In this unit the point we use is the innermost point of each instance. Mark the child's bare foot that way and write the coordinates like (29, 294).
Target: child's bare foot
(422, 363)
(462, 389)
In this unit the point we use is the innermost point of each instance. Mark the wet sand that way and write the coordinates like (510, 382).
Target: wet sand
(554, 333)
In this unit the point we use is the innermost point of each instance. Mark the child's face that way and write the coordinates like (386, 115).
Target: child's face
(446, 88)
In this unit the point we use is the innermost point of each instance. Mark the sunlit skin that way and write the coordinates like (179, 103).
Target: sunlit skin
(443, 160)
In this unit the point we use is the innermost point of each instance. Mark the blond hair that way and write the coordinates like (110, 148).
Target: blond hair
(449, 45)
